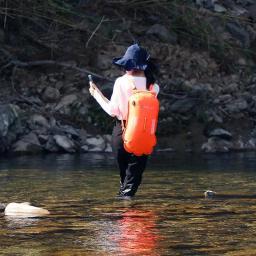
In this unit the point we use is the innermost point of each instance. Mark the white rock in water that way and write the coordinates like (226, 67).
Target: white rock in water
(209, 194)
(24, 210)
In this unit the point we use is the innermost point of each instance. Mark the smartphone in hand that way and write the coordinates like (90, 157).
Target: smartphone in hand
(90, 78)
(91, 82)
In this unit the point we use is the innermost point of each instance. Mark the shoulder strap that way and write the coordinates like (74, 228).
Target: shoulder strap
(133, 85)
(154, 88)
(122, 124)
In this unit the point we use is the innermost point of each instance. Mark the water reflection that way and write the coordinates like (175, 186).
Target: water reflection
(214, 162)
(138, 232)
(169, 215)
(126, 231)
(13, 222)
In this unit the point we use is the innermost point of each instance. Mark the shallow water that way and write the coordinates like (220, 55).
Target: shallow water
(168, 216)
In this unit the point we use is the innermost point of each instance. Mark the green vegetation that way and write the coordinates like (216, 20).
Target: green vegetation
(194, 27)
(76, 31)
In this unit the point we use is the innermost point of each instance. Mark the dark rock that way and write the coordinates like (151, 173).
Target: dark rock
(51, 145)
(253, 133)
(209, 4)
(103, 60)
(245, 3)
(65, 143)
(183, 105)
(51, 94)
(228, 3)
(237, 31)
(219, 8)
(66, 101)
(27, 144)
(82, 136)
(221, 133)
(38, 121)
(238, 11)
(215, 144)
(2, 207)
(8, 115)
(252, 12)
(201, 89)
(43, 138)
(10, 125)
(216, 117)
(162, 33)
(108, 142)
(59, 129)
(251, 144)
(238, 145)
(70, 130)
(152, 19)
(96, 144)
(1, 36)
(231, 88)
(237, 106)
(85, 148)
(223, 99)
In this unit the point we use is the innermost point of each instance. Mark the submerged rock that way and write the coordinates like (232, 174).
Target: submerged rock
(2, 207)
(209, 194)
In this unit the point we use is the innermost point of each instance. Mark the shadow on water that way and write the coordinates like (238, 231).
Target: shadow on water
(168, 216)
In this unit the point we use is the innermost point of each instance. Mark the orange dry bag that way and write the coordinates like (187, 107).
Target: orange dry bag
(139, 134)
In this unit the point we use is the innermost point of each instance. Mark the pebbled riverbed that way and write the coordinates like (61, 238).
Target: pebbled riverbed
(169, 215)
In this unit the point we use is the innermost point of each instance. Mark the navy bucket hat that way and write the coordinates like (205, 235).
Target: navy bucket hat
(135, 57)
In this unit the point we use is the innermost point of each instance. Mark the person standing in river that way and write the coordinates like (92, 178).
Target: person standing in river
(140, 72)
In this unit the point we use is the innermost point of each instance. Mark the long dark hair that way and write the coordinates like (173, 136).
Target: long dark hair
(151, 72)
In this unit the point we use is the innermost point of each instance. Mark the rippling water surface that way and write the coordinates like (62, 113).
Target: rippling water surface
(169, 215)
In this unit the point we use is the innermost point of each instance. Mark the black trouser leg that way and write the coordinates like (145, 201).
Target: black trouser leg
(134, 171)
(119, 152)
(131, 167)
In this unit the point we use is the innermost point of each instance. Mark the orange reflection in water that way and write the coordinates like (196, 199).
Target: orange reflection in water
(138, 234)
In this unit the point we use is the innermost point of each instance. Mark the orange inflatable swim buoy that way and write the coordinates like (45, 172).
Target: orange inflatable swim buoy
(139, 134)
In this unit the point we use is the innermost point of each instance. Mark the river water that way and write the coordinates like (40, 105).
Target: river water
(168, 216)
